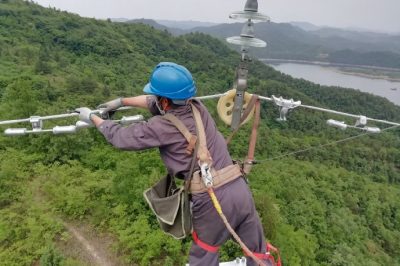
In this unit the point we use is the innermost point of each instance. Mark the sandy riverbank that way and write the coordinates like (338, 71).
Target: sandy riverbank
(365, 75)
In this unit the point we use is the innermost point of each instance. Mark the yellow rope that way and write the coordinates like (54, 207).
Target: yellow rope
(217, 206)
(215, 202)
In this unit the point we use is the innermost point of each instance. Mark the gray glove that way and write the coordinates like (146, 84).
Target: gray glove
(111, 105)
(85, 114)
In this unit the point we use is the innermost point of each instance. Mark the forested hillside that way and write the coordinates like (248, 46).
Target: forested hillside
(337, 205)
(286, 41)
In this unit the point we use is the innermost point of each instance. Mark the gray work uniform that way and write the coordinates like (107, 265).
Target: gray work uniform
(235, 197)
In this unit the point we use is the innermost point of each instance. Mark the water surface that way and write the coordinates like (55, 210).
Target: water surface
(331, 77)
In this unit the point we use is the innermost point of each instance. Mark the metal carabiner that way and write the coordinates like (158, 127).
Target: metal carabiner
(206, 175)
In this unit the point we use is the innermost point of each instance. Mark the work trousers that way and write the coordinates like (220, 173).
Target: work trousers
(238, 206)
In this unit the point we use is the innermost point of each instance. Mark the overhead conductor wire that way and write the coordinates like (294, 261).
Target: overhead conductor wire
(320, 146)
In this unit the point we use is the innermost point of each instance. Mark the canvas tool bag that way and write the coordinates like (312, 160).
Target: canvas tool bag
(169, 202)
(171, 206)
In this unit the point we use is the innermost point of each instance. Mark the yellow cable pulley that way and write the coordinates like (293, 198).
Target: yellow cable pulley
(225, 106)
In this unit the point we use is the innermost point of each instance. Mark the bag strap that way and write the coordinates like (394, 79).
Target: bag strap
(191, 139)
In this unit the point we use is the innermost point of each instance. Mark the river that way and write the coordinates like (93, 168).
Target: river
(332, 77)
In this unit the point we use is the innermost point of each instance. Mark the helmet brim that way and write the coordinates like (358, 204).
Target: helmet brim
(147, 89)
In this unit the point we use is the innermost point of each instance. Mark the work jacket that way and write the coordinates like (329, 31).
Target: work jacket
(161, 133)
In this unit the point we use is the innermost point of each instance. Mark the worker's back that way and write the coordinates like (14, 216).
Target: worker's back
(173, 144)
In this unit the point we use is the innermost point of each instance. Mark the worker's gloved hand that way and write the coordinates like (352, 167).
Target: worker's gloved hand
(108, 108)
(85, 114)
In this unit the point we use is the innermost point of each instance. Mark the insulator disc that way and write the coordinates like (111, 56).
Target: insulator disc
(246, 41)
(249, 15)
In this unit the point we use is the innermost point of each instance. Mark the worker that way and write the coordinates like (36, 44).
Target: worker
(171, 90)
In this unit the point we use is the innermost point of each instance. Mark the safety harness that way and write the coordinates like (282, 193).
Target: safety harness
(169, 202)
(253, 106)
(208, 178)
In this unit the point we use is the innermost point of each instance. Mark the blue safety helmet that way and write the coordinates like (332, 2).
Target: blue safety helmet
(171, 81)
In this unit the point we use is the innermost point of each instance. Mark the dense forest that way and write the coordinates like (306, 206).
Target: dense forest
(334, 205)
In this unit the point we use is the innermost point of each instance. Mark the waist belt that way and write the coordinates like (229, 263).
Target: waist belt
(220, 177)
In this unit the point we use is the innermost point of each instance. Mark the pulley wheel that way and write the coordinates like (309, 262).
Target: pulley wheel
(226, 103)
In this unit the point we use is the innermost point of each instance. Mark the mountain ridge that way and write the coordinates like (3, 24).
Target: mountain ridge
(322, 44)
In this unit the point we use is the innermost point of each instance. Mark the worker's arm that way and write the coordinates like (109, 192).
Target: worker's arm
(136, 101)
(142, 101)
(134, 137)
(97, 121)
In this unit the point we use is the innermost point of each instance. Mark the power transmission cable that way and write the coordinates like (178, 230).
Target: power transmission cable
(320, 146)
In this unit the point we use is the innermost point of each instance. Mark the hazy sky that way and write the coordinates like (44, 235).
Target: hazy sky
(380, 15)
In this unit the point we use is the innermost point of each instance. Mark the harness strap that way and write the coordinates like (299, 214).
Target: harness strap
(191, 139)
(253, 137)
(203, 245)
(254, 104)
(220, 178)
(203, 153)
(193, 144)
(262, 256)
(204, 156)
(267, 255)
(248, 163)
(270, 247)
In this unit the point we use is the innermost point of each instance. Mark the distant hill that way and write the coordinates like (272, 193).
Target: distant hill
(174, 27)
(186, 24)
(158, 26)
(305, 25)
(149, 22)
(339, 39)
(292, 41)
(286, 41)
